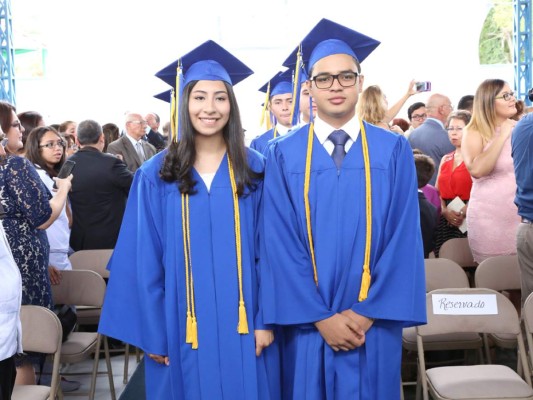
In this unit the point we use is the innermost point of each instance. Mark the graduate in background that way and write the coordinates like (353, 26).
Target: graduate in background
(277, 109)
(342, 255)
(183, 284)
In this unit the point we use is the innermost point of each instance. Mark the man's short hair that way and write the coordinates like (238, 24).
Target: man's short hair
(466, 102)
(89, 132)
(413, 107)
(425, 168)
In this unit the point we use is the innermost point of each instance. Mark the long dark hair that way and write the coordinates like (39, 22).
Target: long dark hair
(181, 155)
(33, 151)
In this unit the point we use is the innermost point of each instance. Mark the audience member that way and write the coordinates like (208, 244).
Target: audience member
(10, 329)
(430, 191)
(155, 138)
(99, 191)
(166, 130)
(111, 133)
(417, 114)
(29, 120)
(278, 104)
(373, 107)
(183, 222)
(68, 128)
(425, 167)
(520, 110)
(431, 137)
(71, 145)
(466, 102)
(131, 146)
(45, 148)
(12, 141)
(492, 215)
(522, 153)
(401, 123)
(28, 212)
(453, 180)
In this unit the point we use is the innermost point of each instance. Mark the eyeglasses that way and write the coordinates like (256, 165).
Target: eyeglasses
(345, 79)
(419, 116)
(16, 124)
(506, 96)
(448, 105)
(454, 128)
(51, 145)
(138, 122)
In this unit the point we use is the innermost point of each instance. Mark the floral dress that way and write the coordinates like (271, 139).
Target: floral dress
(25, 200)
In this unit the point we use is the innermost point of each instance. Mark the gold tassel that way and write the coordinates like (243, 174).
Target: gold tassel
(194, 334)
(188, 331)
(243, 320)
(365, 283)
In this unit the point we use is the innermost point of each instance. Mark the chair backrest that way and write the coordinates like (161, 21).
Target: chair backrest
(458, 250)
(443, 273)
(80, 287)
(498, 273)
(504, 321)
(94, 260)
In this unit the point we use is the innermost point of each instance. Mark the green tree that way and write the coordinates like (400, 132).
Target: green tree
(496, 38)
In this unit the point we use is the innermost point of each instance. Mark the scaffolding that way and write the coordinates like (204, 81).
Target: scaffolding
(522, 48)
(7, 68)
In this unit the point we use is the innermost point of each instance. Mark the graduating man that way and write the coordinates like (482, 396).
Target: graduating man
(342, 255)
(278, 104)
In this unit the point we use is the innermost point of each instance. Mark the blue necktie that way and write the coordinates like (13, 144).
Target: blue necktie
(339, 139)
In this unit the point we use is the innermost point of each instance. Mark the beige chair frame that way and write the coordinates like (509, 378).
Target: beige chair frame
(83, 287)
(41, 332)
(480, 381)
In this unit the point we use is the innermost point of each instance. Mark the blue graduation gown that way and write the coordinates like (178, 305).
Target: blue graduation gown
(396, 298)
(145, 303)
(260, 142)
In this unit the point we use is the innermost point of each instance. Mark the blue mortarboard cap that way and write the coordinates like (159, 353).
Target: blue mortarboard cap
(328, 38)
(165, 96)
(209, 61)
(280, 83)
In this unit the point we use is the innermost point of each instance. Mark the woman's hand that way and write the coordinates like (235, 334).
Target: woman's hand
(160, 359)
(64, 184)
(55, 275)
(263, 339)
(454, 218)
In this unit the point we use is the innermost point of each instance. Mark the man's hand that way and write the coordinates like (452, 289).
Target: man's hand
(160, 359)
(263, 339)
(341, 332)
(364, 322)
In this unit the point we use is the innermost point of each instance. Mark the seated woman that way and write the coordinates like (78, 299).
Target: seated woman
(453, 180)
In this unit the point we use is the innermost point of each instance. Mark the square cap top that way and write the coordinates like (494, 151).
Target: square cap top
(280, 83)
(328, 38)
(209, 61)
(165, 96)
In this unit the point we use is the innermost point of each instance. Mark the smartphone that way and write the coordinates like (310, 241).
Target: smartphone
(423, 86)
(65, 170)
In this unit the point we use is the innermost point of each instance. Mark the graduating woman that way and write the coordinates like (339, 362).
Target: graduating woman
(183, 284)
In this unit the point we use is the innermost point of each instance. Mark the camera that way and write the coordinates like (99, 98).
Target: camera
(423, 86)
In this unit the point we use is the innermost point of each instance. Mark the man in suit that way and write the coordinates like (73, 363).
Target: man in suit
(425, 168)
(154, 137)
(99, 192)
(131, 146)
(431, 137)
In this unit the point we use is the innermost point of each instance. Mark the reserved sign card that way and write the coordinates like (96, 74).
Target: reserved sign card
(464, 304)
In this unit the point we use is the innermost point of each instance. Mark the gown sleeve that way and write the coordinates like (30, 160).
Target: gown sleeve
(397, 290)
(134, 307)
(289, 295)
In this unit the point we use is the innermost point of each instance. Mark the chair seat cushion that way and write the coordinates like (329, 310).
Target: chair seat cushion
(478, 382)
(78, 344)
(34, 392)
(447, 341)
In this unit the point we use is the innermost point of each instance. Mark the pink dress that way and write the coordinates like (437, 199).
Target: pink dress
(492, 216)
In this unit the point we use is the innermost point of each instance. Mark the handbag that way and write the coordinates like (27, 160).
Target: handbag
(68, 318)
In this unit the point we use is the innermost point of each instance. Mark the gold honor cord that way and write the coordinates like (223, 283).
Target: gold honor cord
(296, 81)
(366, 278)
(264, 111)
(242, 327)
(191, 333)
(175, 106)
(275, 132)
